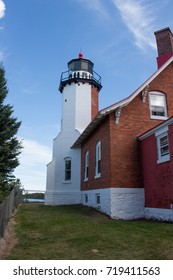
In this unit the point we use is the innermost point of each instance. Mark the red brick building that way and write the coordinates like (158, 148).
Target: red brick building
(111, 169)
(157, 162)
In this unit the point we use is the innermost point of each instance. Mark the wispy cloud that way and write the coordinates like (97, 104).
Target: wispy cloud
(2, 9)
(96, 6)
(138, 17)
(35, 153)
(33, 160)
(30, 90)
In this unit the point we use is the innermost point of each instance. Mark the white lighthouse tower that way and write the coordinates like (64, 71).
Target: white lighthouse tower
(79, 86)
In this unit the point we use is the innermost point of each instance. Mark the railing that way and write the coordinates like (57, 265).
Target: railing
(34, 196)
(7, 207)
(81, 74)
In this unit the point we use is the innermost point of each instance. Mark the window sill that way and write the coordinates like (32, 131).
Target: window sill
(67, 182)
(97, 176)
(164, 159)
(86, 180)
(158, 118)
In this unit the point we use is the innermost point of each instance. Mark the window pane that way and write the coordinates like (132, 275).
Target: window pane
(67, 170)
(158, 111)
(98, 158)
(164, 147)
(164, 151)
(86, 164)
(98, 151)
(87, 169)
(164, 140)
(157, 100)
(84, 65)
(77, 65)
(99, 167)
(71, 66)
(68, 175)
(68, 164)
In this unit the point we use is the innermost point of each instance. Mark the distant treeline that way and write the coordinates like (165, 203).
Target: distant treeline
(34, 195)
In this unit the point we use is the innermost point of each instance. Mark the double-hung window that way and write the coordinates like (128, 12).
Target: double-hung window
(86, 166)
(158, 108)
(98, 160)
(163, 145)
(67, 169)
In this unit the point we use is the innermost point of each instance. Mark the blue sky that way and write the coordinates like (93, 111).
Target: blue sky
(39, 37)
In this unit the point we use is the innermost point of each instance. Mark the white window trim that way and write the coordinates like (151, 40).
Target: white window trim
(165, 106)
(159, 134)
(98, 157)
(86, 165)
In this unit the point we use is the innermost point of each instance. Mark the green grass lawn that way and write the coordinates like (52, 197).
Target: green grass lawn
(78, 232)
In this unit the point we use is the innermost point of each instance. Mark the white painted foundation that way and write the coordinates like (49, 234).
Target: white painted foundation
(118, 203)
(159, 214)
(105, 200)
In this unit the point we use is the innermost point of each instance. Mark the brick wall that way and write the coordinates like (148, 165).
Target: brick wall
(121, 162)
(94, 101)
(135, 120)
(101, 133)
(158, 178)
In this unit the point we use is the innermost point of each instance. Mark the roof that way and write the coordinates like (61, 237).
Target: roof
(156, 128)
(106, 111)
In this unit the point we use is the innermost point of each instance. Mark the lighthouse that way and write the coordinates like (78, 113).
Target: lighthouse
(79, 86)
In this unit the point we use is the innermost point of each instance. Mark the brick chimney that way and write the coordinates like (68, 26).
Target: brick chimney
(164, 40)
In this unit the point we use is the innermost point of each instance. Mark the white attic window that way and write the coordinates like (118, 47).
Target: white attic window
(158, 107)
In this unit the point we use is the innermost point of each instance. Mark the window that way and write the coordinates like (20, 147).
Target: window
(86, 166)
(98, 160)
(67, 169)
(163, 145)
(158, 108)
(84, 65)
(98, 199)
(86, 198)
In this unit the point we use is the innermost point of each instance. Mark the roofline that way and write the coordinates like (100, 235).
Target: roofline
(92, 125)
(106, 111)
(127, 100)
(76, 59)
(156, 128)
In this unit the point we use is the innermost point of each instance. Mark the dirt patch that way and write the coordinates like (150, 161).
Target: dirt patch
(9, 240)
